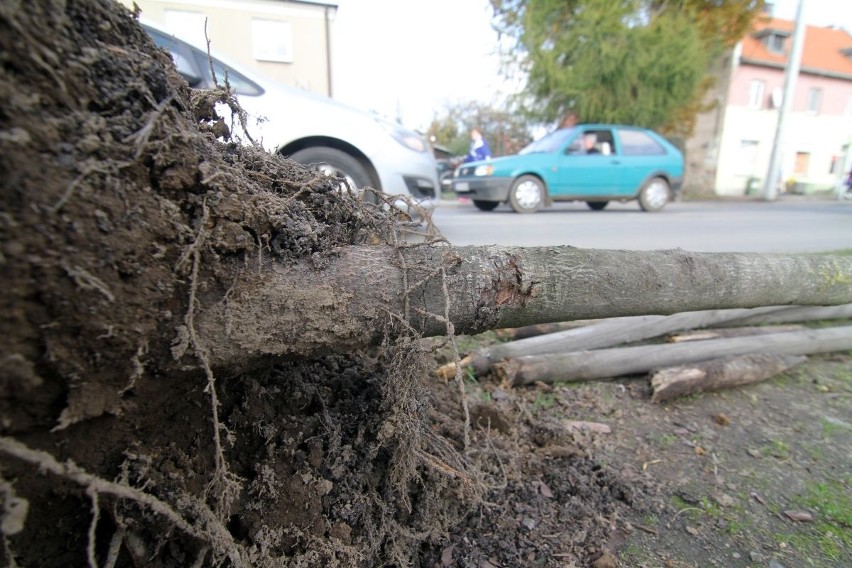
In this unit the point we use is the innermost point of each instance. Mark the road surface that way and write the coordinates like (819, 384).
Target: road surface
(788, 225)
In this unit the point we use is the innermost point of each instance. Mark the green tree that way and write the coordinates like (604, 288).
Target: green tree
(642, 62)
(505, 130)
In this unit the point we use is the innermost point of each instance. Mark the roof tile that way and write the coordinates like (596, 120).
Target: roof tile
(822, 51)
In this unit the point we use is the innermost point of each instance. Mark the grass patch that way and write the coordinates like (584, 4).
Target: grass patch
(685, 509)
(833, 501)
(543, 401)
(829, 427)
(664, 441)
(778, 449)
(830, 536)
(711, 508)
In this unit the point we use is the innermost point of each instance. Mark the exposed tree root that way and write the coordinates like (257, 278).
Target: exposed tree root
(203, 523)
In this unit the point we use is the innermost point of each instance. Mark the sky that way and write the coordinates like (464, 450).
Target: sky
(408, 59)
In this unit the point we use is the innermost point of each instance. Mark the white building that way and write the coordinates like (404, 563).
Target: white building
(732, 145)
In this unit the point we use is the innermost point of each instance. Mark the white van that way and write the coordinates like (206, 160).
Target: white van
(316, 130)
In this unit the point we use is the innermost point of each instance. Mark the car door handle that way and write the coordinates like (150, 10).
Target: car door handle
(616, 162)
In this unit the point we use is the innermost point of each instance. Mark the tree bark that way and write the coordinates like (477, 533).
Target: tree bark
(605, 363)
(359, 295)
(717, 374)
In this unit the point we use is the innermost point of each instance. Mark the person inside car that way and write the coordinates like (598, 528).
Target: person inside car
(590, 140)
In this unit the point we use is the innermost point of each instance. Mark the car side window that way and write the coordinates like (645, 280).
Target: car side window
(576, 147)
(592, 142)
(240, 84)
(194, 66)
(636, 143)
(181, 55)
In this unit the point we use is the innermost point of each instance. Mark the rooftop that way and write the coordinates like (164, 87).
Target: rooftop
(827, 51)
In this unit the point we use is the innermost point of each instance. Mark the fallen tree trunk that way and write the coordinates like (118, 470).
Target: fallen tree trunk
(351, 303)
(718, 374)
(605, 363)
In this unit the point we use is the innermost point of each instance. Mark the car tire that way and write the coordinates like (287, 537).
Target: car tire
(485, 205)
(527, 194)
(597, 205)
(331, 161)
(654, 194)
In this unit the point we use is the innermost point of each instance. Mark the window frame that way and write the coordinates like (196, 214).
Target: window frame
(272, 40)
(756, 93)
(814, 100)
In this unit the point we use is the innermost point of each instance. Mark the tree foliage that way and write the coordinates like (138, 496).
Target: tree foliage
(642, 62)
(506, 131)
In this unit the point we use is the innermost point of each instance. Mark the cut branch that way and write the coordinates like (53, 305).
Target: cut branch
(718, 374)
(605, 333)
(723, 332)
(605, 363)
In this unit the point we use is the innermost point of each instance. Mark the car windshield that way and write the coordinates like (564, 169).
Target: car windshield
(551, 142)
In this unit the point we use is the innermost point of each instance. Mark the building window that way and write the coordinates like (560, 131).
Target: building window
(814, 100)
(803, 160)
(775, 43)
(272, 40)
(756, 91)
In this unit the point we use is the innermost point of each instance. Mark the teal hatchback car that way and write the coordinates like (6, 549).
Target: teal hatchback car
(595, 163)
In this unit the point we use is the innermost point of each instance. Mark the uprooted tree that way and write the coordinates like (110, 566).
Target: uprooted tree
(209, 354)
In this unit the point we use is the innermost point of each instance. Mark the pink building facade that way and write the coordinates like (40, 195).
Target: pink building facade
(732, 145)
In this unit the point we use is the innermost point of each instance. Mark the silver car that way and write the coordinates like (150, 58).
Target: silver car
(316, 130)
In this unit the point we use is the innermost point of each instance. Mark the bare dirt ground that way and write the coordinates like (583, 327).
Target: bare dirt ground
(749, 477)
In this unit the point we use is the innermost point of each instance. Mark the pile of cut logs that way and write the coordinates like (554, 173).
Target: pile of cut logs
(703, 351)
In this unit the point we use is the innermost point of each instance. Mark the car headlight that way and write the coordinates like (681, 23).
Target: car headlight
(406, 137)
(485, 170)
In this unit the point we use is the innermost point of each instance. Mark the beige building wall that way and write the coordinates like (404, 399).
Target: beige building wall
(289, 42)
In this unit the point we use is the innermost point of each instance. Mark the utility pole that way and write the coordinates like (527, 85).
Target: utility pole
(791, 74)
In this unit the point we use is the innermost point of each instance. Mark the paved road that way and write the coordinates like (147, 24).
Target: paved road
(789, 224)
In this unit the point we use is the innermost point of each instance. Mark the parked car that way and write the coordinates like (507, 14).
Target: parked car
(595, 163)
(312, 129)
(446, 170)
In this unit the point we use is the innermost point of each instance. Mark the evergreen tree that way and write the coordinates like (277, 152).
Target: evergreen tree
(641, 62)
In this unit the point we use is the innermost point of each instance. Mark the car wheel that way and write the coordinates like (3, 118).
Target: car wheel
(486, 205)
(527, 194)
(654, 194)
(332, 162)
(597, 205)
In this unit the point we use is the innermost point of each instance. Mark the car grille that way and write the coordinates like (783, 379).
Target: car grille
(420, 188)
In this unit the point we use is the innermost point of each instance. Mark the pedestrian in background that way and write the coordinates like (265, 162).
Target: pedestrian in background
(478, 147)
